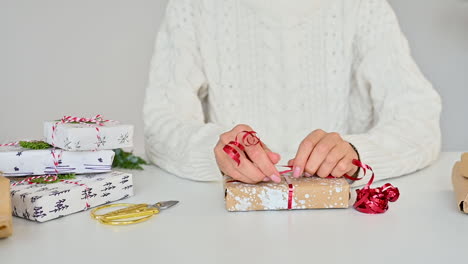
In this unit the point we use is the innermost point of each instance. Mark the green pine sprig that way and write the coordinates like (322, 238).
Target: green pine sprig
(34, 144)
(126, 160)
(59, 177)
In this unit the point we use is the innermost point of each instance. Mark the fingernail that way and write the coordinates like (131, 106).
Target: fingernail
(297, 172)
(266, 179)
(308, 174)
(275, 178)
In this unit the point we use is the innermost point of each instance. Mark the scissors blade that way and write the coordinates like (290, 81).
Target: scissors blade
(165, 204)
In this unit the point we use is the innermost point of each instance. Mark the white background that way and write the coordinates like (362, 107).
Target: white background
(83, 57)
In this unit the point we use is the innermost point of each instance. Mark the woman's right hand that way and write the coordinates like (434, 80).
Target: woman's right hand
(257, 162)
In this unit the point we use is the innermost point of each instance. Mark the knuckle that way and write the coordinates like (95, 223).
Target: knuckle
(306, 143)
(345, 146)
(330, 159)
(242, 127)
(342, 167)
(224, 138)
(335, 134)
(309, 169)
(318, 131)
(254, 153)
(322, 148)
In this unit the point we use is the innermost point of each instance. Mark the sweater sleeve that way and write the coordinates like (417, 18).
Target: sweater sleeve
(405, 135)
(177, 138)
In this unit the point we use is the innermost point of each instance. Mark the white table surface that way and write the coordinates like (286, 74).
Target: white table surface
(423, 226)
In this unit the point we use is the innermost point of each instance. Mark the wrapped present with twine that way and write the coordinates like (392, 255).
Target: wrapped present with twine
(54, 197)
(19, 161)
(80, 134)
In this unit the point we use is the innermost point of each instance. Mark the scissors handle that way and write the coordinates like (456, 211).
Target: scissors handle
(129, 222)
(123, 210)
(128, 209)
(130, 214)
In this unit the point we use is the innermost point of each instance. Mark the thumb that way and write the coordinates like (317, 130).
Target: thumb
(274, 157)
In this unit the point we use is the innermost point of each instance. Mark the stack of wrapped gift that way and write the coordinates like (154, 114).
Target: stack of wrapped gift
(80, 147)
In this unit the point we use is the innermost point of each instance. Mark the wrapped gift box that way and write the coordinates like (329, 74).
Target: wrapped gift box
(43, 202)
(79, 137)
(6, 224)
(17, 161)
(460, 186)
(464, 165)
(306, 193)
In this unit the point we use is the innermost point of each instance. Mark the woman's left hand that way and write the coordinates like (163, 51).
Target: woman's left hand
(324, 154)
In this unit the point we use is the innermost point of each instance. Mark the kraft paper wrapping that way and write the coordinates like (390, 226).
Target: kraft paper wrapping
(309, 193)
(6, 225)
(460, 186)
(464, 165)
(79, 137)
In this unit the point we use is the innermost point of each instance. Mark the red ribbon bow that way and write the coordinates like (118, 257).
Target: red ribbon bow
(98, 120)
(369, 200)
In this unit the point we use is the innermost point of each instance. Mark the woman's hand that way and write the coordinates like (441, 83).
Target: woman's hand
(324, 154)
(257, 162)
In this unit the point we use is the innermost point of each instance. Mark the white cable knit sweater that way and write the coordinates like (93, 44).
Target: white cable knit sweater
(342, 66)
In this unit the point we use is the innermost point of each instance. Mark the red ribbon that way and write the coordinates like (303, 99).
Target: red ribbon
(368, 200)
(248, 139)
(290, 195)
(374, 200)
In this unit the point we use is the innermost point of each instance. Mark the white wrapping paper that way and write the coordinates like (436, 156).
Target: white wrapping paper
(43, 202)
(79, 137)
(17, 161)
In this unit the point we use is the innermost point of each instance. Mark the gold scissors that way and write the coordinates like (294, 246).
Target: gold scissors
(131, 213)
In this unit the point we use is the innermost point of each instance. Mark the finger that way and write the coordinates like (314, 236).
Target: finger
(352, 172)
(304, 151)
(258, 156)
(264, 161)
(290, 162)
(353, 168)
(321, 152)
(231, 135)
(274, 157)
(240, 128)
(248, 168)
(227, 167)
(245, 171)
(344, 166)
(237, 175)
